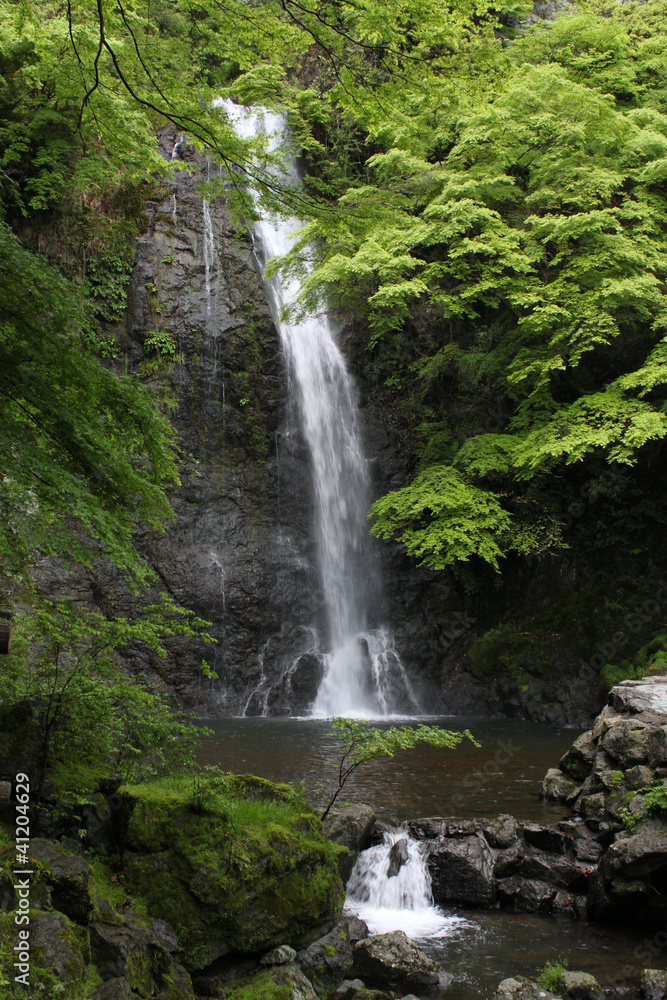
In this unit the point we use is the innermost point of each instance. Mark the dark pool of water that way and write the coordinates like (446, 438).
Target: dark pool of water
(502, 775)
(499, 944)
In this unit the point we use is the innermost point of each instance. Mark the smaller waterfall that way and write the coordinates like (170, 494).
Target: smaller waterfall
(209, 253)
(401, 902)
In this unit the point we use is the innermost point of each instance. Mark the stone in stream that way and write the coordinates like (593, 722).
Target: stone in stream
(355, 989)
(350, 826)
(461, 871)
(393, 961)
(558, 787)
(529, 895)
(653, 984)
(579, 986)
(398, 856)
(501, 832)
(519, 988)
(326, 962)
(428, 828)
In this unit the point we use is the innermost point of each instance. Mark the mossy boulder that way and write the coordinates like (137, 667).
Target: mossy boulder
(234, 863)
(140, 951)
(59, 956)
(286, 982)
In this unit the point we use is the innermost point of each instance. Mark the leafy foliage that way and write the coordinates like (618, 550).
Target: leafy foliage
(551, 975)
(83, 450)
(65, 699)
(513, 262)
(360, 743)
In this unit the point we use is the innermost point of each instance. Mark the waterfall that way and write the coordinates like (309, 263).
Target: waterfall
(363, 676)
(399, 902)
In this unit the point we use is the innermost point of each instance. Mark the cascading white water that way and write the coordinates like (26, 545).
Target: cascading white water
(356, 680)
(401, 902)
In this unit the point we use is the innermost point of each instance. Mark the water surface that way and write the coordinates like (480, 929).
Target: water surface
(502, 775)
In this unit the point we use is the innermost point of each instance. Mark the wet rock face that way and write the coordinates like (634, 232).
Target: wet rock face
(240, 551)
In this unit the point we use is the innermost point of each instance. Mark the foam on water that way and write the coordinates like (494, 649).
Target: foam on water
(402, 902)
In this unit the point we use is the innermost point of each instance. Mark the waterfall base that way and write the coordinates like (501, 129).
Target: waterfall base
(401, 902)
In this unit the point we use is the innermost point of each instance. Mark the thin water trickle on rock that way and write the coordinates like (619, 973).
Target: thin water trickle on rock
(363, 673)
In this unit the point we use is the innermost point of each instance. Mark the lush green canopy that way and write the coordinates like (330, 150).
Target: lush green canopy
(487, 195)
(511, 263)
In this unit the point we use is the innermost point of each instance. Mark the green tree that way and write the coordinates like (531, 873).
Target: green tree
(361, 743)
(84, 453)
(66, 702)
(514, 265)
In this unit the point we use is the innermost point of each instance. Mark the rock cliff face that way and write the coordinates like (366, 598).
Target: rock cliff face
(240, 551)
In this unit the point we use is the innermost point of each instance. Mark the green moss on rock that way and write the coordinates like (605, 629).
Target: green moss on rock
(59, 958)
(234, 863)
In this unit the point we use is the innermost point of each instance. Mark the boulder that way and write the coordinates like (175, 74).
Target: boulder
(392, 961)
(648, 694)
(643, 854)
(501, 832)
(546, 838)
(246, 887)
(608, 717)
(279, 956)
(638, 776)
(60, 950)
(521, 989)
(653, 984)
(429, 828)
(69, 877)
(577, 762)
(553, 869)
(461, 871)
(461, 827)
(558, 787)
(628, 742)
(357, 930)
(306, 677)
(398, 856)
(350, 826)
(282, 982)
(139, 951)
(527, 895)
(326, 962)
(354, 989)
(587, 851)
(113, 989)
(507, 862)
(579, 986)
